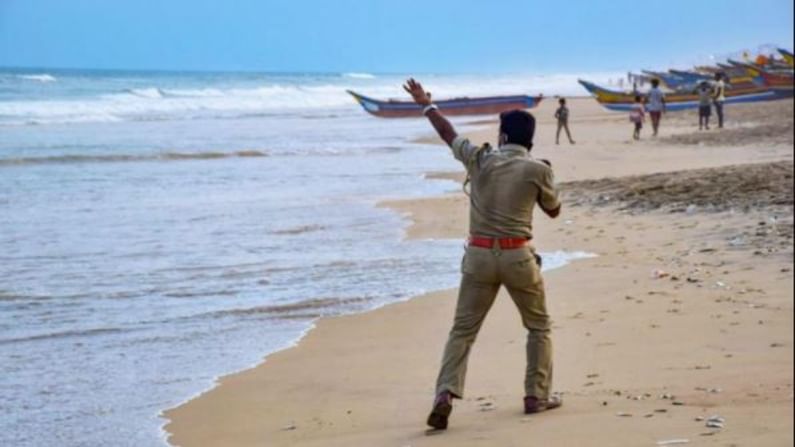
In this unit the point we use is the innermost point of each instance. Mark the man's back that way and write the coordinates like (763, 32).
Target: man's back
(506, 184)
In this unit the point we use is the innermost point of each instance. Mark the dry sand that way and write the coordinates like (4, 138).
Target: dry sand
(686, 313)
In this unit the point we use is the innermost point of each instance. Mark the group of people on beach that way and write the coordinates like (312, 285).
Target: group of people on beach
(709, 95)
(653, 103)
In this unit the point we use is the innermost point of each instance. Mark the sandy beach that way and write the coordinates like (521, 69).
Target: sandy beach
(686, 313)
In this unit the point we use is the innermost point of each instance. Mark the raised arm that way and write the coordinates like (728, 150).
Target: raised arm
(438, 121)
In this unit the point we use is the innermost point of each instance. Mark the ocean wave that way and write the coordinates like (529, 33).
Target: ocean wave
(43, 77)
(151, 93)
(176, 156)
(157, 93)
(299, 230)
(62, 334)
(155, 103)
(311, 308)
(354, 75)
(113, 158)
(194, 100)
(192, 93)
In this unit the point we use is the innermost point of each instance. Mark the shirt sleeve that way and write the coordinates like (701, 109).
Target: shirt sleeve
(548, 196)
(463, 150)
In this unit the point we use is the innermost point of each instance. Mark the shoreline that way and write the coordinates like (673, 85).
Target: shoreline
(216, 381)
(290, 401)
(395, 205)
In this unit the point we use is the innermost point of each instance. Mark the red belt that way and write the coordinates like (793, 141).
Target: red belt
(506, 243)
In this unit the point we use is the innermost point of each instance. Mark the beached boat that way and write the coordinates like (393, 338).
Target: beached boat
(775, 67)
(782, 83)
(692, 77)
(681, 80)
(710, 70)
(488, 105)
(678, 79)
(668, 80)
(788, 56)
(733, 71)
(623, 101)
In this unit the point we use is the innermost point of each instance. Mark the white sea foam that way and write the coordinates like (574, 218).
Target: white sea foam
(44, 77)
(151, 93)
(192, 93)
(355, 75)
(161, 102)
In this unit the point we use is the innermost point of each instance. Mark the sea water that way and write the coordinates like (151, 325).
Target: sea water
(158, 230)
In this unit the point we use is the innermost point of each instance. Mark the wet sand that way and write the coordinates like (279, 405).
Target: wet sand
(686, 313)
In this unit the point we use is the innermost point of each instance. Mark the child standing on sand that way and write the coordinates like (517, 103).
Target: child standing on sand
(704, 105)
(562, 114)
(637, 115)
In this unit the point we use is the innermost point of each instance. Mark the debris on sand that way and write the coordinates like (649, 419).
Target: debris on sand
(673, 442)
(715, 421)
(659, 274)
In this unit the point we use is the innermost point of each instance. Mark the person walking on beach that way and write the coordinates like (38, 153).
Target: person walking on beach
(719, 97)
(562, 115)
(637, 115)
(656, 105)
(506, 186)
(704, 105)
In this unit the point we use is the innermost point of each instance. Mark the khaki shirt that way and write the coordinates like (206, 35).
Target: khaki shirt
(506, 184)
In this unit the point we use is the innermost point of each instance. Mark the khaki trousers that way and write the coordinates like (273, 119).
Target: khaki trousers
(483, 271)
(563, 125)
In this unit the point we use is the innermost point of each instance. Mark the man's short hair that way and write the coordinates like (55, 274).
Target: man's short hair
(519, 127)
(655, 82)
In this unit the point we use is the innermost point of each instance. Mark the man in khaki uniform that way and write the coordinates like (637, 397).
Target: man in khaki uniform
(506, 185)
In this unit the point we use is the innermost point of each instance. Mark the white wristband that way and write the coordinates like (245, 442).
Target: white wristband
(428, 108)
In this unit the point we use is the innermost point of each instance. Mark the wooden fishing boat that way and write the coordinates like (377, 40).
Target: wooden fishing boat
(686, 81)
(733, 71)
(782, 83)
(707, 69)
(691, 77)
(488, 105)
(678, 79)
(623, 101)
(668, 80)
(776, 67)
(788, 56)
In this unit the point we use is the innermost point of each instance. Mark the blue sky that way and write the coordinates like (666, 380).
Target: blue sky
(446, 36)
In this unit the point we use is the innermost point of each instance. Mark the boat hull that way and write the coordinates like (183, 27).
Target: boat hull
(788, 57)
(460, 106)
(780, 83)
(623, 102)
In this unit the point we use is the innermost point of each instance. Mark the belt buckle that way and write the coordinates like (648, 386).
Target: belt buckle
(496, 246)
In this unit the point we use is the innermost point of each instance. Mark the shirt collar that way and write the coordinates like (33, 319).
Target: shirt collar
(514, 150)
